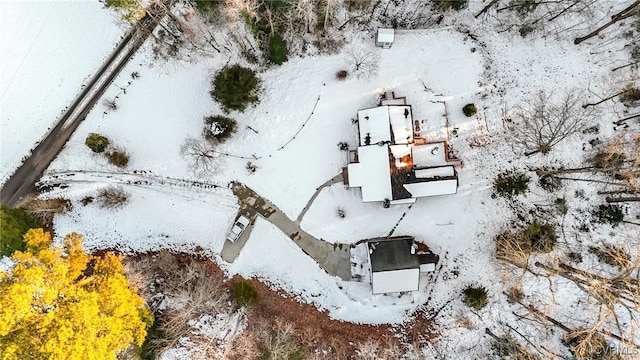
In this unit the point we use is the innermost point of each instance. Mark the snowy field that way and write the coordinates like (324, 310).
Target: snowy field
(153, 218)
(44, 64)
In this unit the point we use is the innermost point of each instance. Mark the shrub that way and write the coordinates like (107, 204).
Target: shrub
(612, 255)
(588, 344)
(14, 223)
(514, 295)
(251, 167)
(609, 213)
(469, 110)
(119, 158)
(505, 347)
(341, 213)
(513, 247)
(219, 128)
(511, 183)
(631, 94)
(96, 142)
(543, 237)
(444, 5)
(550, 183)
(475, 297)
(575, 257)
(277, 49)
(608, 161)
(207, 6)
(342, 74)
(244, 293)
(45, 209)
(112, 197)
(235, 87)
(561, 206)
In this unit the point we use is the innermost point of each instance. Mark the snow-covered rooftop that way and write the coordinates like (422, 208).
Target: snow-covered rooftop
(429, 155)
(441, 171)
(385, 35)
(395, 281)
(433, 188)
(374, 122)
(371, 174)
(401, 122)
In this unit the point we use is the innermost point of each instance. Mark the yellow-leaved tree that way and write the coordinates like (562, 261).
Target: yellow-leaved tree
(65, 304)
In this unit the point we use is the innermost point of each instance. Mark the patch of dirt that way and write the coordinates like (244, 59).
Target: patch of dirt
(313, 326)
(314, 329)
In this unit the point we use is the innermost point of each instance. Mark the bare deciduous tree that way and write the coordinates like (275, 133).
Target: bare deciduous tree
(546, 121)
(201, 157)
(364, 61)
(110, 104)
(280, 342)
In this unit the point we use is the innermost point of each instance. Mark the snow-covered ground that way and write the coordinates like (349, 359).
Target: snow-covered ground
(48, 49)
(158, 216)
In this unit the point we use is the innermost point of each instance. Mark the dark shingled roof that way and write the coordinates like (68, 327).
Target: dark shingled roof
(392, 254)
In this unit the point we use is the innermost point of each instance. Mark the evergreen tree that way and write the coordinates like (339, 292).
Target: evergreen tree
(14, 223)
(235, 87)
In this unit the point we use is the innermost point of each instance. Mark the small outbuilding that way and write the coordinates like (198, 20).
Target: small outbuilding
(396, 264)
(385, 37)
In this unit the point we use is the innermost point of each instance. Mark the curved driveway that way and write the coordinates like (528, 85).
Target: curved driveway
(333, 258)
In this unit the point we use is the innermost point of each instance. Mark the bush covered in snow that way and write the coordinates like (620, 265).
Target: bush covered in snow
(235, 87)
(96, 142)
(218, 128)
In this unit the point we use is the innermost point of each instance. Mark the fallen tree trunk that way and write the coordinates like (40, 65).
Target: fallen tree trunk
(627, 12)
(622, 199)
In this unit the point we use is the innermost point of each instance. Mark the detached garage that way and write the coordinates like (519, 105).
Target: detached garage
(394, 265)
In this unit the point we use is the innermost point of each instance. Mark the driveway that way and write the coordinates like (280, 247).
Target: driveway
(333, 258)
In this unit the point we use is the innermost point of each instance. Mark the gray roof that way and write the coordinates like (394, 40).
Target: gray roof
(392, 254)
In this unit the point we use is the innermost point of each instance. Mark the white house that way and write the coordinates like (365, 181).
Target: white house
(393, 162)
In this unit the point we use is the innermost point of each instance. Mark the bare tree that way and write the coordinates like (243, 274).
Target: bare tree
(201, 157)
(110, 104)
(546, 122)
(363, 60)
(279, 342)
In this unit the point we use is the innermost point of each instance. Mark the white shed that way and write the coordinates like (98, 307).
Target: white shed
(385, 37)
